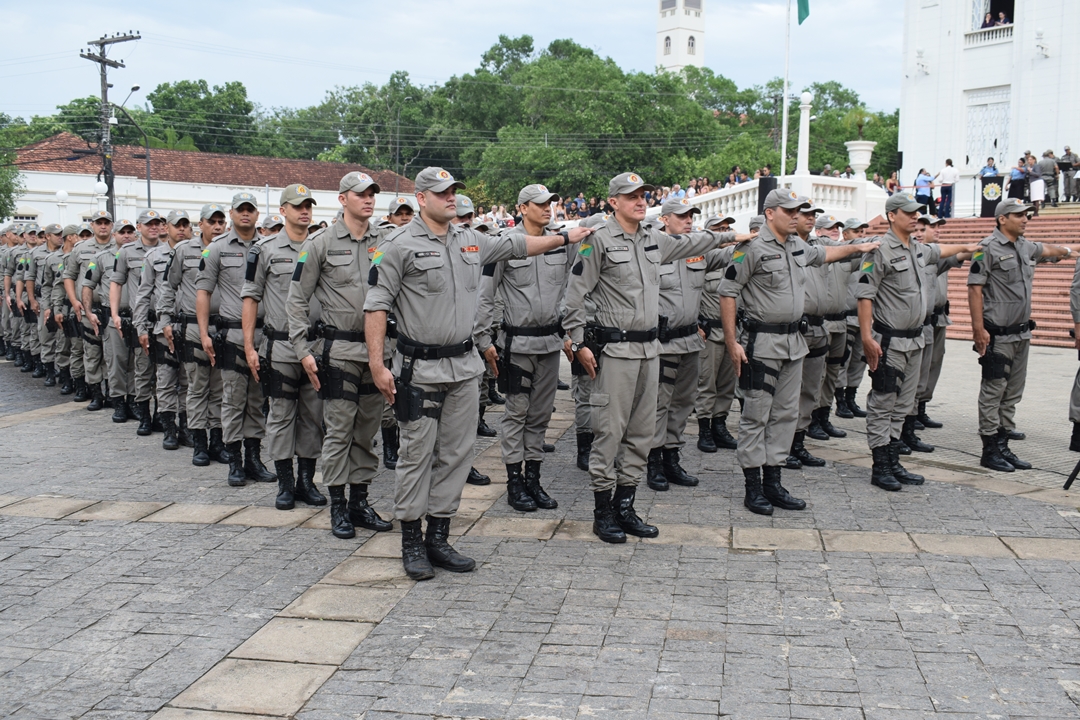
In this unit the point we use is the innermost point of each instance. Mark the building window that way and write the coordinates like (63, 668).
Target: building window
(692, 4)
(25, 218)
(691, 45)
(667, 5)
(667, 45)
(991, 13)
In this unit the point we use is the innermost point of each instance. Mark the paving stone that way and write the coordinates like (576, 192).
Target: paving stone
(698, 535)
(9, 499)
(1044, 548)
(187, 714)
(335, 602)
(322, 642)
(848, 541)
(193, 513)
(269, 517)
(369, 570)
(255, 686)
(744, 538)
(385, 545)
(963, 545)
(515, 527)
(43, 506)
(581, 530)
(118, 510)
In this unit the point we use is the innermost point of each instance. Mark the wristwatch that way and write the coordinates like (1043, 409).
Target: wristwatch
(565, 237)
(574, 347)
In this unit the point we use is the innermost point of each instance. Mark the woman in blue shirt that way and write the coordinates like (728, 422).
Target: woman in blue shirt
(990, 169)
(924, 188)
(1017, 180)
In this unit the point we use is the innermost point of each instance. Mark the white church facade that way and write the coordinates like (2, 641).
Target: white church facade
(971, 92)
(680, 34)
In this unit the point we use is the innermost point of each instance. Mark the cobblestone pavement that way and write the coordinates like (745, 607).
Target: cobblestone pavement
(135, 586)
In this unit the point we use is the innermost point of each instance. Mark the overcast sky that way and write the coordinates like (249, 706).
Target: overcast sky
(290, 54)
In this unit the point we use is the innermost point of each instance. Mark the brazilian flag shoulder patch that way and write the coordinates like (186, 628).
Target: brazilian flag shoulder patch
(738, 256)
(867, 267)
(585, 250)
(206, 252)
(978, 256)
(376, 259)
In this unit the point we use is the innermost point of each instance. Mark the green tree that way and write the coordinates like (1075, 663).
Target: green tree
(219, 119)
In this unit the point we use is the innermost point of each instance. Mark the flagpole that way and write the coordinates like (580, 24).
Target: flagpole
(787, 68)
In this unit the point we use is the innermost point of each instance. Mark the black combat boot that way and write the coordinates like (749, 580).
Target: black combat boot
(705, 442)
(881, 471)
(842, 408)
(604, 525)
(3, 347)
(477, 478)
(413, 552)
(800, 453)
(286, 483)
(901, 447)
(674, 472)
(390, 444)
(830, 429)
(721, 436)
(28, 362)
(9, 352)
(532, 486)
(627, 517)
(17, 357)
(899, 471)
(168, 422)
(146, 421)
(792, 463)
(814, 429)
(340, 525)
(1016, 435)
(363, 515)
(97, 400)
(67, 383)
(237, 476)
(134, 411)
(515, 489)
(1074, 441)
(253, 464)
(306, 491)
(39, 368)
(755, 500)
(120, 408)
(850, 393)
(201, 456)
(218, 451)
(926, 420)
(777, 494)
(182, 433)
(584, 448)
(482, 428)
(155, 422)
(50, 374)
(547, 447)
(654, 475)
(82, 390)
(439, 551)
(493, 394)
(1009, 455)
(909, 438)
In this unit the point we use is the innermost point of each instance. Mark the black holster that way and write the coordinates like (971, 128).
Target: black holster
(755, 375)
(885, 379)
(409, 400)
(160, 355)
(129, 333)
(995, 366)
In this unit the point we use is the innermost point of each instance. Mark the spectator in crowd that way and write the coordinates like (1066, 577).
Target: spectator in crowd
(1003, 19)
(892, 185)
(677, 193)
(988, 21)
(827, 170)
(990, 169)
(848, 173)
(836, 173)
(743, 177)
(766, 171)
(924, 190)
(948, 176)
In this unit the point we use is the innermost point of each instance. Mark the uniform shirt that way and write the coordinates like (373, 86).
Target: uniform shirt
(127, 270)
(151, 279)
(178, 292)
(333, 268)
(837, 275)
(770, 277)
(1071, 158)
(271, 264)
(60, 302)
(893, 277)
(35, 269)
(816, 290)
(941, 287)
(98, 276)
(1046, 169)
(709, 307)
(82, 254)
(50, 269)
(621, 271)
(681, 284)
(431, 286)
(1074, 295)
(532, 290)
(223, 267)
(1005, 270)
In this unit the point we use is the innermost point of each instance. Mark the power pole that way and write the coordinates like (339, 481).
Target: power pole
(105, 146)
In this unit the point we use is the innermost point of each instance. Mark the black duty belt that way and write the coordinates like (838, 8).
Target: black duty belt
(125, 313)
(837, 317)
(222, 324)
(329, 332)
(931, 319)
(708, 324)
(815, 320)
(608, 335)
(278, 335)
(418, 351)
(886, 331)
(188, 319)
(772, 328)
(942, 309)
(680, 332)
(535, 331)
(999, 330)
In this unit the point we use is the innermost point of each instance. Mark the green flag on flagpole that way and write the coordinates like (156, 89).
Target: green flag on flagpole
(804, 10)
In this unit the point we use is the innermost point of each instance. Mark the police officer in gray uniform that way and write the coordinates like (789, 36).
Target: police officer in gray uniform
(852, 372)
(1049, 171)
(681, 343)
(1074, 398)
(999, 296)
(1070, 191)
(581, 385)
(223, 270)
(835, 312)
(54, 287)
(619, 267)
(294, 423)
(767, 277)
(82, 255)
(27, 303)
(6, 233)
(74, 380)
(530, 341)
(428, 273)
(176, 305)
(42, 292)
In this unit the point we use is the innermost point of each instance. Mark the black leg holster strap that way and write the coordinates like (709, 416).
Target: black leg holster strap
(886, 379)
(995, 366)
(162, 356)
(666, 377)
(409, 400)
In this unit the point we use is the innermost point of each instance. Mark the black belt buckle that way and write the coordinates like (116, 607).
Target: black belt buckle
(804, 325)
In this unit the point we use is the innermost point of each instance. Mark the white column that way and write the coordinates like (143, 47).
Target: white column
(802, 166)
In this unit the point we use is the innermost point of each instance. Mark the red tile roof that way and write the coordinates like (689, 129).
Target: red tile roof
(49, 155)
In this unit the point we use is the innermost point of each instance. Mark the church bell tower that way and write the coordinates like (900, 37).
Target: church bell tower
(680, 34)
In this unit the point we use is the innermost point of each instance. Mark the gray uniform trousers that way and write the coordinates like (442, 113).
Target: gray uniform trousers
(998, 398)
(47, 339)
(171, 381)
(581, 387)
(73, 361)
(347, 457)
(856, 364)
(63, 351)
(937, 357)
(678, 379)
(294, 426)
(241, 404)
(885, 412)
(30, 337)
(204, 388)
(119, 363)
(435, 455)
(526, 417)
(835, 364)
(768, 420)
(93, 353)
(926, 364)
(813, 372)
(1074, 400)
(624, 417)
(716, 381)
